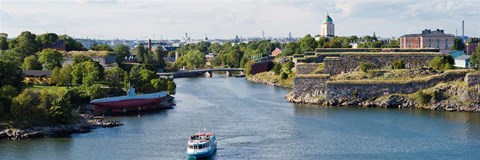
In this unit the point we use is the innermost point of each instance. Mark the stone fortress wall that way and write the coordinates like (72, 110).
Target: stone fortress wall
(309, 87)
(347, 59)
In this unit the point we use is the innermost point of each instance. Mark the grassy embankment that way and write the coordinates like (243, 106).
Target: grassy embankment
(272, 79)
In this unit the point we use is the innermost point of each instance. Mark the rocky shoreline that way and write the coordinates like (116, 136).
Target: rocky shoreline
(462, 98)
(86, 124)
(266, 81)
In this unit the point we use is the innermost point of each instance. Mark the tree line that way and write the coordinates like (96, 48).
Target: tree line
(234, 55)
(22, 104)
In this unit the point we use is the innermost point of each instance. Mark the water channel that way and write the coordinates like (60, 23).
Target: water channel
(253, 121)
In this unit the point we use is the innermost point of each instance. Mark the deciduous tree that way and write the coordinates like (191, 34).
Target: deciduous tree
(31, 63)
(51, 58)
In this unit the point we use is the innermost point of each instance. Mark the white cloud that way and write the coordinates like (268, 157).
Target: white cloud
(224, 19)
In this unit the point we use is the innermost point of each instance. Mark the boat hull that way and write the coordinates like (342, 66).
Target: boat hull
(129, 103)
(202, 154)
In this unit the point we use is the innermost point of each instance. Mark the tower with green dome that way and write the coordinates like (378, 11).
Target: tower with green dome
(328, 28)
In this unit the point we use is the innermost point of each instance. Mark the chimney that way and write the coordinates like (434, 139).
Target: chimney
(149, 44)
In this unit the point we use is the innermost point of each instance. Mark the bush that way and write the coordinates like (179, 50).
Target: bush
(422, 97)
(441, 63)
(277, 68)
(248, 67)
(283, 75)
(94, 91)
(364, 67)
(171, 87)
(398, 64)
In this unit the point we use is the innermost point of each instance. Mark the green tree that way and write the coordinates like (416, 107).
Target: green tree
(51, 58)
(25, 44)
(3, 41)
(159, 84)
(80, 59)
(277, 68)
(92, 72)
(71, 44)
(65, 75)
(46, 39)
(10, 74)
(101, 47)
(87, 73)
(194, 59)
(62, 76)
(441, 63)
(171, 87)
(475, 60)
(60, 114)
(26, 111)
(7, 93)
(291, 49)
(121, 51)
(114, 77)
(11, 56)
(248, 68)
(159, 57)
(77, 73)
(94, 91)
(307, 44)
(31, 63)
(140, 52)
(55, 77)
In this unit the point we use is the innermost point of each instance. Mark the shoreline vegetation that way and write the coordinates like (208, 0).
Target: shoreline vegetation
(45, 88)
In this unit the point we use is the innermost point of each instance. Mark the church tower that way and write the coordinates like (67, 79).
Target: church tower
(328, 28)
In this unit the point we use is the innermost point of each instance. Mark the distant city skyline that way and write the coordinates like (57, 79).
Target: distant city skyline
(150, 19)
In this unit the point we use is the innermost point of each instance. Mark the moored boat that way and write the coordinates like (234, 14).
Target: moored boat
(131, 101)
(202, 144)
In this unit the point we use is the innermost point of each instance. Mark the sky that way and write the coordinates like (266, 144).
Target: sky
(171, 19)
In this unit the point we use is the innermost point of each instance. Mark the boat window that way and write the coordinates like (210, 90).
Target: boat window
(190, 146)
(200, 146)
(195, 147)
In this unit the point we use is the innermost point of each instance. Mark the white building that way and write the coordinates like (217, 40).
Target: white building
(328, 28)
(462, 61)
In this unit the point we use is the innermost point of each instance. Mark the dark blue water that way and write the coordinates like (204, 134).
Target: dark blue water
(253, 121)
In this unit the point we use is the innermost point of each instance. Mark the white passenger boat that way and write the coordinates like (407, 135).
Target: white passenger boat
(202, 144)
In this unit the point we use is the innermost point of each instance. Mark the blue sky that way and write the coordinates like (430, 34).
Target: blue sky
(141, 19)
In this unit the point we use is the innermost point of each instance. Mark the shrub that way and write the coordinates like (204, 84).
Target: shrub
(248, 67)
(277, 68)
(398, 64)
(441, 63)
(283, 75)
(422, 97)
(364, 67)
(171, 87)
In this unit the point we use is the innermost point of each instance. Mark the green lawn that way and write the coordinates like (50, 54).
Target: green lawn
(50, 89)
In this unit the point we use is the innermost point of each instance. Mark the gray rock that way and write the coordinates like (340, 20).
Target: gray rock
(4, 135)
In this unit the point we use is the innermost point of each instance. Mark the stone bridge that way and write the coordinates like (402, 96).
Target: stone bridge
(200, 72)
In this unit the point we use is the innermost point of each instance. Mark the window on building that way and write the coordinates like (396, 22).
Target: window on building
(429, 40)
(438, 40)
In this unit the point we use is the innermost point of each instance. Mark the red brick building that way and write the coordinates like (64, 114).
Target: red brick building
(428, 39)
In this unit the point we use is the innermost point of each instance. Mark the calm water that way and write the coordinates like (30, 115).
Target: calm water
(253, 121)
